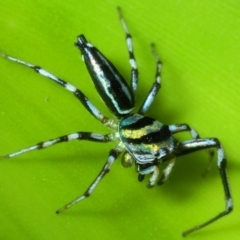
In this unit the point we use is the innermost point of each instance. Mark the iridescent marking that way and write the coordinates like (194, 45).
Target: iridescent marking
(106, 85)
(136, 134)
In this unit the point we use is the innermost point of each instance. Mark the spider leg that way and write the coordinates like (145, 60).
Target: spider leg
(176, 128)
(114, 153)
(154, 170)
(156, 85)
(95, 137)
(132, 60)
(198, 144)
(77, 92)
(167, 171)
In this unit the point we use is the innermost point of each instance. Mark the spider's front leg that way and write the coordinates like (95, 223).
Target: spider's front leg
(145, 170)
(199, 144)
(154, 170)
(177, 128)
(167, 171)
(77, 92)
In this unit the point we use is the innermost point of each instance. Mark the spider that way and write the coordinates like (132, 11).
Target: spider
(142, 140)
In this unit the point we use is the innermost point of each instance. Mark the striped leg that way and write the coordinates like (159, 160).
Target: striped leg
(78, 93)
(156, 85)
(95, 137)
(167, 171)
(114, 153)
(154, 170)
(132, 60)
(198, 144)
(176, 128)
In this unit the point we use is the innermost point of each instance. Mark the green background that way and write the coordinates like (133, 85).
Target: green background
(198, 42)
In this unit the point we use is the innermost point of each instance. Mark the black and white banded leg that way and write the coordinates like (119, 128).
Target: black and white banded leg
(167, 171)
(132, 60)
(89, 136)
(205, 143)
(154, 170)
(114, 153)
(156, 85)
(77, 92)
(176, 128)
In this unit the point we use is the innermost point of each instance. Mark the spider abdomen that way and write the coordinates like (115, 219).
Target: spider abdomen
(109, 83)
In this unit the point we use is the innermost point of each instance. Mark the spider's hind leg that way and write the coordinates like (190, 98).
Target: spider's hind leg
(156, 85)
(77, 92)
(132, 60)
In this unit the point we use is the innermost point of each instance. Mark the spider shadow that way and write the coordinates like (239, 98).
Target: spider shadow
(187, 176)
